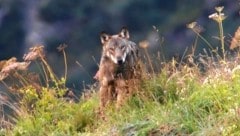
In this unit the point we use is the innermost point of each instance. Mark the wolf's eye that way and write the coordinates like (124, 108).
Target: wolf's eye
(122, 47)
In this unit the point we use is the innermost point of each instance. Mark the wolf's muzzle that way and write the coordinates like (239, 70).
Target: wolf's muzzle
(119, 61)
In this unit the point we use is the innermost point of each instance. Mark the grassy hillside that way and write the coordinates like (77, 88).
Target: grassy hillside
(197, 96)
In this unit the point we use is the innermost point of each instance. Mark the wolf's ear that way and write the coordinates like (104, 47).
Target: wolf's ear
(104, 37)
(124, 33)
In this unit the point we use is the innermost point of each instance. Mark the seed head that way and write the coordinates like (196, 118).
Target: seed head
(144, 44)
(34, 53)
(218, 16)
(219, 9)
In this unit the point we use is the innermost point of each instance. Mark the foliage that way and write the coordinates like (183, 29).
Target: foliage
(45, 105)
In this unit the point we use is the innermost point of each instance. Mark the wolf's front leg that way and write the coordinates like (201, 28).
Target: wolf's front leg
(103, 93)
(121, 89)
(106, 92)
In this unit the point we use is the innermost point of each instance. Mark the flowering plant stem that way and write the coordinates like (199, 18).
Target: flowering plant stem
(221, 38)
(201, 37)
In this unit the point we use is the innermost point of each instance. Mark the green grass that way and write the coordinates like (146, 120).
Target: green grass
(178, 100)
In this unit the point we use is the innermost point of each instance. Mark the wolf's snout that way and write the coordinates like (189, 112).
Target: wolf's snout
(120, 61)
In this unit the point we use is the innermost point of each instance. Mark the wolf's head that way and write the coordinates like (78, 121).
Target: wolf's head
(115, 46)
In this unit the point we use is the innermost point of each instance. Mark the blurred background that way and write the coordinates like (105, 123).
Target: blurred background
(78, 23)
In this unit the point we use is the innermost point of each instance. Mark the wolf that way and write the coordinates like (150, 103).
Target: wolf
(119, 70)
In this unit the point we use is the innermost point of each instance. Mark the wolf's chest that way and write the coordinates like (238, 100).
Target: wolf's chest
(124, 71)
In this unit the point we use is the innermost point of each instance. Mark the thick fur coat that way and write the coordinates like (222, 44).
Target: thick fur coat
(119, 70)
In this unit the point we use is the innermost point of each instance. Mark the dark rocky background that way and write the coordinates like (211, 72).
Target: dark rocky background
(78, 23)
